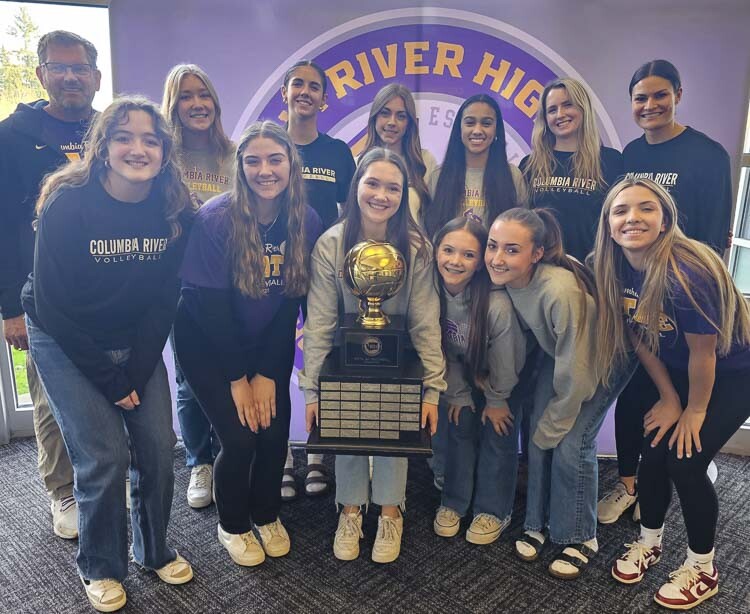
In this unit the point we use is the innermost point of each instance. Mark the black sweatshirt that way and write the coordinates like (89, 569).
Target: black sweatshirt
(105, 277)
(696, 171)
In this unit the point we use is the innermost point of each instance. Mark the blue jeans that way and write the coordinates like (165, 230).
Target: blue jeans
(481, 463)
(563, 482)
(439, 443)
(201, 443)
(102, 440)
(353, 485)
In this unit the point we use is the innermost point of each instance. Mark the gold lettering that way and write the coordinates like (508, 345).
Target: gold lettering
(342, 76)
(414, 57)
(449, 56)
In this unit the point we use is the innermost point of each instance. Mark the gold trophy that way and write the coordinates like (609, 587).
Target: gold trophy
(371, 384)
(374, 272)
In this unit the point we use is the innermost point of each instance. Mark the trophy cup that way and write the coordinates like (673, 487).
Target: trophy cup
(370, 388)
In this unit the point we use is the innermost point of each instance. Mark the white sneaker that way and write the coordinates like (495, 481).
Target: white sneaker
(447, 522)
(178, 571)
(65, 517)
(105, 595)
(199, 490)
(387, 545)
(244, 548)
(614, 504)
(687, 587)
(274, 538)
(348, 534)
(484, 529)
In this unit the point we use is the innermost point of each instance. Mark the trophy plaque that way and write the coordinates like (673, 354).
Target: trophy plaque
(370, 388)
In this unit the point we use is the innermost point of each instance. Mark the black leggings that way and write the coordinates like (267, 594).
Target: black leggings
(241, 494)
(632, 405)
(728, 409)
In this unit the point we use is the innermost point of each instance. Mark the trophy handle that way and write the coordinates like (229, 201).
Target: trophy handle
(373, 316)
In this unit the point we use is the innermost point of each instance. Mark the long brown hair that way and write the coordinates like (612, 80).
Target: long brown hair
(664, 262)
(175, 197)
(475, 364)
(411, 148)
(246, 247)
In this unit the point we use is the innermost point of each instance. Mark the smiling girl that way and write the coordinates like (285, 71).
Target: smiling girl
(111, 234)
(475, 175)
(485, 351)
(377, 209)
(327, 168)
(206, 154)
(695, 171)
(569, 169)
(552, 295)
(393, 124)
(672, 299)
(244, 275)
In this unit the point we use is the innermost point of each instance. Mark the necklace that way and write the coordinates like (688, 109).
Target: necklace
(266, 229)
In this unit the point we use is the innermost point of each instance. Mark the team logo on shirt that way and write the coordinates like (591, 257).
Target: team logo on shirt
(273, 265)
(456, 332)
(134, 249)
(666, 180)
(630, 305)
(443, 56)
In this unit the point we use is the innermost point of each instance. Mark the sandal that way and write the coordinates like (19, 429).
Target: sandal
(576, 555)
(321, 479)
(532, 542)
(288, 482)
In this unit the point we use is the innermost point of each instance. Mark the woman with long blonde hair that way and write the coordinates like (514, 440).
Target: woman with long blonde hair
(205, 152)
(671, 300)
(568, 169)
(112, 230)
(393, 124)
(245, 274)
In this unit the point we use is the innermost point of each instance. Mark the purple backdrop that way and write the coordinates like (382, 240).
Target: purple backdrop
(245, 47)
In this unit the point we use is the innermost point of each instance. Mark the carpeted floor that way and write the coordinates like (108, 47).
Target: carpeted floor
(37, 571)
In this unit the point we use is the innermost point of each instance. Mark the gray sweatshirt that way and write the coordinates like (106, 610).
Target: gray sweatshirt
(550, 307)
(329, 298)
(506, 348)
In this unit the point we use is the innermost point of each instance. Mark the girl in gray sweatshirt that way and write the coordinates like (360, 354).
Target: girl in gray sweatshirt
(485, 351)
(552, 295)
(377, 209)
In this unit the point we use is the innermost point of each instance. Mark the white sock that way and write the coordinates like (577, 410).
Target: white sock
(289, 458)
(315, 459)
(651, 537)
(704, 562)
(593, 544)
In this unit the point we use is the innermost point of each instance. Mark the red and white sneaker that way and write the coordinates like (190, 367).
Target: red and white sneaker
(631, 566)
(687, 587)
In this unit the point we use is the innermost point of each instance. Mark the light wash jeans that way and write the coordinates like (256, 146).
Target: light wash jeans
(563, 482)
(97, 434)
(353, 486)
(481, 463)
(201, 442)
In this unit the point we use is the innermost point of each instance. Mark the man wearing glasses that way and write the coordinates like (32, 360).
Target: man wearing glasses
(35, 140)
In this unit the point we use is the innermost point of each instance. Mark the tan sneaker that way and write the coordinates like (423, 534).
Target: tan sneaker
(178, 571)
(65, 517)
(105, 595)
(614, 504)
(244, 548)
(484, 529)
(274, 538)
(687, 587)
(387, 545)
(447, 522)
(348, 534)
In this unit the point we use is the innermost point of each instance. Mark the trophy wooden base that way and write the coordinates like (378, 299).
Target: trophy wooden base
(372, 412)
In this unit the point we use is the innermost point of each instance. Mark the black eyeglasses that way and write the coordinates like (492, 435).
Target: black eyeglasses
(60, 68)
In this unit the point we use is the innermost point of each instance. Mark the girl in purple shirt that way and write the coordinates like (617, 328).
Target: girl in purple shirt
(690, 328)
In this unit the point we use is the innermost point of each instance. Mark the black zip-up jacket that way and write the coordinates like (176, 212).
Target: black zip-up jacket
(25, 158)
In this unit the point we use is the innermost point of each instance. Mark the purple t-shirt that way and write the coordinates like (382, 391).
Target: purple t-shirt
(207, 261)
(680, 316)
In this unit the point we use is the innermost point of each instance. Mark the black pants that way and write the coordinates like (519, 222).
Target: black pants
(632, 405)
(248, 470)
(728, 409)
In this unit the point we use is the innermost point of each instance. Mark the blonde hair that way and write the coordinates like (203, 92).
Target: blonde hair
(665, 264)
(586, 160)
(175, 197)
(411, 148)
(218, 138)
(246, 247)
